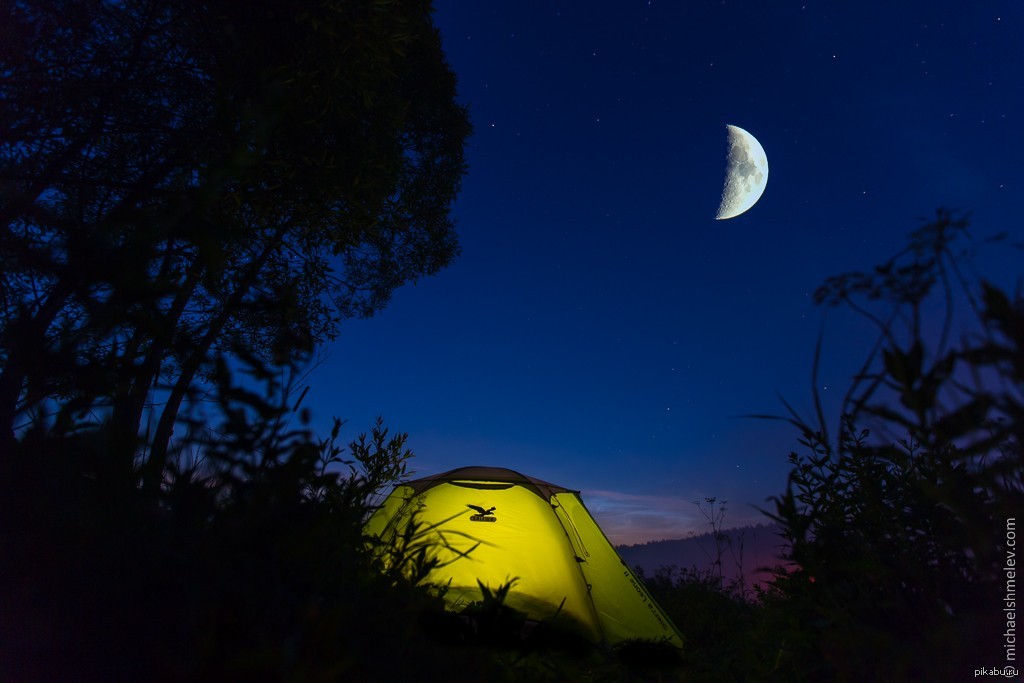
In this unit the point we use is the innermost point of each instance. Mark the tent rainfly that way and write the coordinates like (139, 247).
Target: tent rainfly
(491, 525)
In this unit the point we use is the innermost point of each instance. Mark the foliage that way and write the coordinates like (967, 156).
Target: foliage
(895, 524)
(181, 182)
(551, 649)
(716, 622)
(723, 543)
(190, 193)
(237, 571)
(250, 564)
(894, 518)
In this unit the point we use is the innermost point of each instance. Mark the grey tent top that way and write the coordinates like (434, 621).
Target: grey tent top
(473, 475)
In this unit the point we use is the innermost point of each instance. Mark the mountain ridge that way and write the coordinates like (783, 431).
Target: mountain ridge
(747, 550)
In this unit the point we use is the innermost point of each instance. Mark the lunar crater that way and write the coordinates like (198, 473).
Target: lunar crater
(746, 173)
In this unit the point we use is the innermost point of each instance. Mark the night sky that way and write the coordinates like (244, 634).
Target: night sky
(600, 329)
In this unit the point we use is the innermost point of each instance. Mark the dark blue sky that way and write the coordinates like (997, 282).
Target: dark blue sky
(600, 329)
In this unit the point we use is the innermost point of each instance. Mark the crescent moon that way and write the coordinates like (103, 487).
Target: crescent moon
(745, 175)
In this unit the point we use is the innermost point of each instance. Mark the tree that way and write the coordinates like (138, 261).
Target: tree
(895, 523)
(185, 181)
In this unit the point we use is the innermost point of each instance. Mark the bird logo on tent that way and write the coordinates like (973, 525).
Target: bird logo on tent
(483, 515)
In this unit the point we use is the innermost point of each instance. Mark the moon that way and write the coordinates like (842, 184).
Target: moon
(745, 175)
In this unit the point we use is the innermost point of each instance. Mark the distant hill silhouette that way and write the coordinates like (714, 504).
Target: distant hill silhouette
(761, 547)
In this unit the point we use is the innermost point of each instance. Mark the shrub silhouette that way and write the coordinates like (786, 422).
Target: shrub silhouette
(895, 523)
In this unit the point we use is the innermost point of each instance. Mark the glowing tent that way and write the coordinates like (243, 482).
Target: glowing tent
(491, 525)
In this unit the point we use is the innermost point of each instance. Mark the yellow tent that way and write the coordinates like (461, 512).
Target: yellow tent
(492, 525)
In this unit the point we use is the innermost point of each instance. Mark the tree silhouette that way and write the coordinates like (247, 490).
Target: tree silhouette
(186, 181)
(189, 190)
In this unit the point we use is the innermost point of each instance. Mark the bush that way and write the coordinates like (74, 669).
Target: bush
(895, 523)
(249, 565)
(716, 622)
